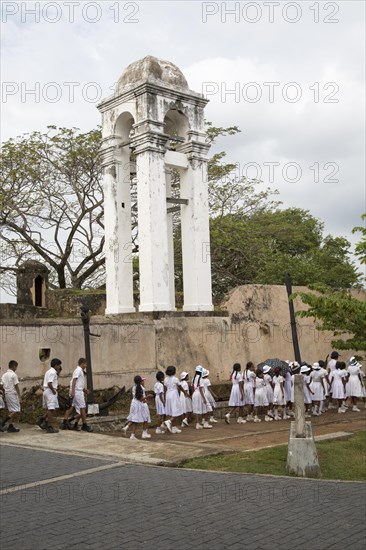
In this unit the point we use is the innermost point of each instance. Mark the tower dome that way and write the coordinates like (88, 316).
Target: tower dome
(154, 70)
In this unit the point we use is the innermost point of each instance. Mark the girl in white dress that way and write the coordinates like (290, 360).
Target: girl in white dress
(249, 377)
(139, 410)
(354, 383)
(308, 393)
(260, 397)
(199, 401)
(173, 406)
(317, 387)
(185, 399)
(159, 391)
(210, 397)
(236, 399)
(278, 394)
(338, 385)
(269, 388)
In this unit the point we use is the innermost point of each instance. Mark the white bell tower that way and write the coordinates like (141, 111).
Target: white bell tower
(155, 115)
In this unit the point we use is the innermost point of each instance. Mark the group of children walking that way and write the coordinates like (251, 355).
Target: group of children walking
(253, 390)
(11, 398)
(177, 401)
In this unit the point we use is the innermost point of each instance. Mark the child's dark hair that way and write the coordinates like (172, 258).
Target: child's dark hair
(249, 365)
(81, 361)
(194, 384)
(170, 371)
(340, 365)
(236, 369)
(55, 362)
(139, 393)
(321, 363)
(13, 364)
(160, 376)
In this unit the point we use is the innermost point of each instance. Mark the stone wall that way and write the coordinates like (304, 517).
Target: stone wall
(255, 327)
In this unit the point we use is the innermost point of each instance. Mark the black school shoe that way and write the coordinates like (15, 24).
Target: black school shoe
(65, 425)
(51, 430)
(86, 428)
(12, 429)
(41, 422)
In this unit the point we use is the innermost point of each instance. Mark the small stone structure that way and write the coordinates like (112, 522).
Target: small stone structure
(32, 282)
(155, 115)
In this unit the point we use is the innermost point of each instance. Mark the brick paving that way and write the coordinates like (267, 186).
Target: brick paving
(134, 507)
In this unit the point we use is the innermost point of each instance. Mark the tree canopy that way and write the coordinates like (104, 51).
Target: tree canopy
(52, 211)
(337, 311)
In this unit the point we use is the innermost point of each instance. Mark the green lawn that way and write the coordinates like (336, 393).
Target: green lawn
(344, 460)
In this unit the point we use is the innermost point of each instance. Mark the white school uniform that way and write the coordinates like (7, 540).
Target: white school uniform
(50, 400)
(186, 400)
(211, 403)
(278, 398)
(337, 386)
(307, 395)
(331, 367)
(326, 385)
(198, 405)
(235, 399)
(260, 394)
(158, 390)
(10, 380)
(78, 401)
(354, 386)
(139, 410)
(173, 406)
(287, 386)
(268, 379)
(249, 377)
(316, 376)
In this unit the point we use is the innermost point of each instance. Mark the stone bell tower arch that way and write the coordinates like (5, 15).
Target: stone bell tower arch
(151, 109)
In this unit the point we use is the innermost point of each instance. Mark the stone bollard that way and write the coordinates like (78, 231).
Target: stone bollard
(302, 458)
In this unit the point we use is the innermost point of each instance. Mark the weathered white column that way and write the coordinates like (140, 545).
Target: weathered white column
(152, 223)
(195, 231)
(117, 223)
(168, 180)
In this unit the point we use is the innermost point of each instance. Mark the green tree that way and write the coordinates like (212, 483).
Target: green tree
(337, 311)
(360, 249)
(52, 205)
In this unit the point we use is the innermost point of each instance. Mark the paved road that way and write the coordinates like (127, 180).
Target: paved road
(58, 501)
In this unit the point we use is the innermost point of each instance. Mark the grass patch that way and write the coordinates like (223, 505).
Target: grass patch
(343, 460)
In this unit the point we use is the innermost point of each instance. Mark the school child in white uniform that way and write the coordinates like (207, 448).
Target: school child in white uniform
(278, 394)
(199, 401)
(325, 403)
(139, 410)
(260, 397)
(210, 397)
(269, 388)
(78, 392)
(2, 405)
(159, 391)
(185, 399)
(331, 366)
(317, 387)
(338, 385)
(173, 406)
(249, 378)
(236, 400)
(13, 400)
(50, 399)
(305, 371)
(354, 383)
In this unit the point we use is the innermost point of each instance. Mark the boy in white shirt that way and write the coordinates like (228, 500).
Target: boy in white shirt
(78, 392)
(13, 400)
(50, 399)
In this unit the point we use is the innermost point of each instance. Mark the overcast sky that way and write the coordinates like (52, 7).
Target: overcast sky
(295, 71)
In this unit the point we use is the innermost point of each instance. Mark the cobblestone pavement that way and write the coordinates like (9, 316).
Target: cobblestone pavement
(105, 504)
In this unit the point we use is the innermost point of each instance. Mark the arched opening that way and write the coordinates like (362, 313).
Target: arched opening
(176, 126)
(38, 291)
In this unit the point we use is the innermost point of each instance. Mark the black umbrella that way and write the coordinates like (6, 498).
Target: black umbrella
(274, 364)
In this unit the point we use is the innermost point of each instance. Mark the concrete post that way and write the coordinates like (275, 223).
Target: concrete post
(299, 405)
